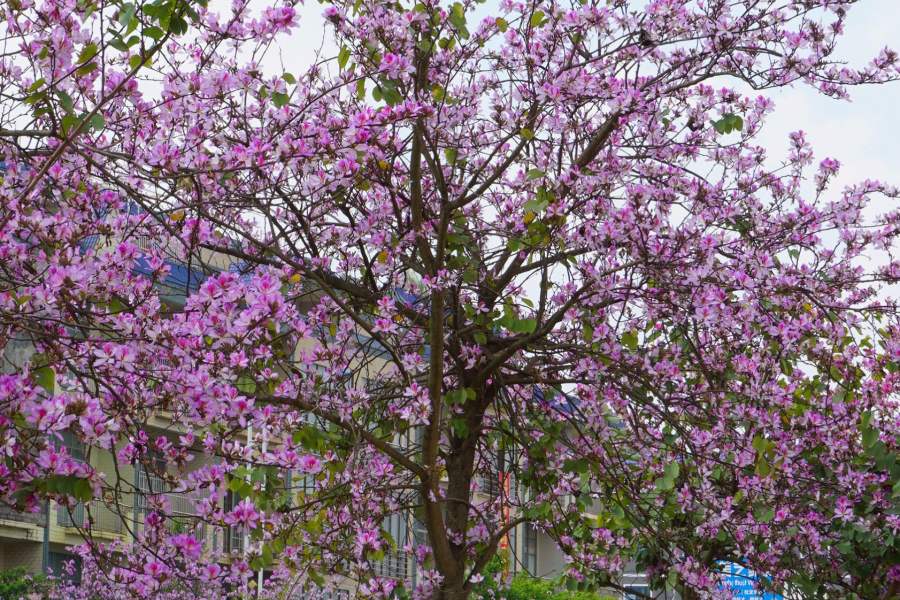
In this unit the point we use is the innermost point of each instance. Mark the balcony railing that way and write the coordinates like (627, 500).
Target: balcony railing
(395, 565)
(38, 519)
(489, 484)
(183, 513)
(493, 485)
(322, 595)
(101, 517)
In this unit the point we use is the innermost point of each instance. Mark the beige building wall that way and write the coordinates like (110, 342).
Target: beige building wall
(16, 552)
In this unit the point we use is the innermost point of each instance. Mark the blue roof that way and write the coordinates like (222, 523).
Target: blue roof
(180, 278)
(241, 268)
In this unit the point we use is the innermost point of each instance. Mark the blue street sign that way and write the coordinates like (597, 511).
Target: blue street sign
(742, 582)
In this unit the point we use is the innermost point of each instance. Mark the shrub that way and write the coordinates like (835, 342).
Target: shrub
(525, 587)
(18, 583)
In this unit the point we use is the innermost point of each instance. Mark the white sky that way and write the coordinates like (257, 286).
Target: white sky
(863, 134)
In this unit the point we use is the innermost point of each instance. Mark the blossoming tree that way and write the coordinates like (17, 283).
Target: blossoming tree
(534, 238)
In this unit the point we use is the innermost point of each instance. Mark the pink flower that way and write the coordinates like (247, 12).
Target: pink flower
(243, 515)
(210, 572)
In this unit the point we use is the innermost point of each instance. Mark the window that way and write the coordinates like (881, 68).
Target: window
(418, 438)
(633, 592)
(529, 548)
(395, 526)
(73, 446)
(234, 536)
(149, 481)
(420, 534)
(304, 483)
(66, 567)
(513, 550)
(326, 380)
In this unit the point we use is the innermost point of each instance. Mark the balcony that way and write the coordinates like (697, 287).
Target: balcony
(99, 517)
(496, 484)
(395, 565)
(38, 519)
(490, 484)
(183, 514)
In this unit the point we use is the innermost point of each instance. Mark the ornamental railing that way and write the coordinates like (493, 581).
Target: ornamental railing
(97, 515)
(183, 516)
(395, 565)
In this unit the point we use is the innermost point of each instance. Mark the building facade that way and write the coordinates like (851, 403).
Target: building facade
(42, 540)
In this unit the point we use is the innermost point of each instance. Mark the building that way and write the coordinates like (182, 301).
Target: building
(40, 541)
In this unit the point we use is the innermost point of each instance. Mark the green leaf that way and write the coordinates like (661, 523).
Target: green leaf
(126, 14)
(527, 325)
(456, 396)
(36, 85)
(85, 69)
(535, 174)
(83, 491)
(767, 516)
(458, 20)
(361, 88)
(786, 367)
(869, 437)
(280, 99)
(729, 123)
(343, 57)
(66, 101)
(459, 424)
(630, 340)
(536, 18)
(118, 44)
(885, 461)
(289, 79)
(526, 133)
(670, 474)
(154, 33)
(87, 53)
(672, 470)
(502, 25)
(178, 26)
(46, 378)
(68, 123)
(192, 13)
(98, 122)
(588, 333)
(762, 466)
(867, 417)
(35, 98)
(90, 10)
(392, 97)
